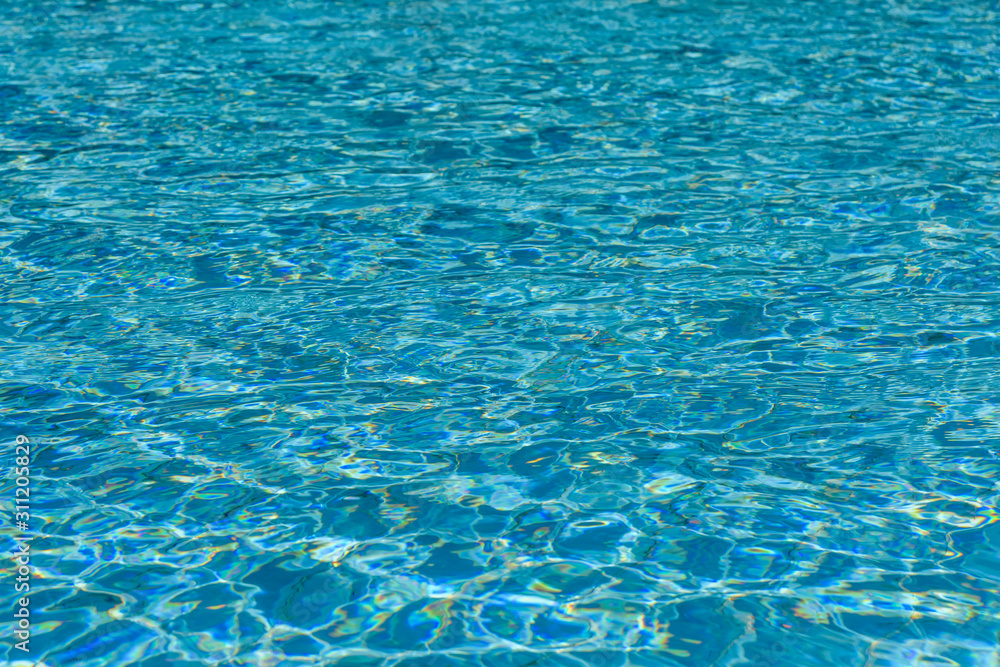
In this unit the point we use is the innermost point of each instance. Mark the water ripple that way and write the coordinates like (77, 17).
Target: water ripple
(592, 332)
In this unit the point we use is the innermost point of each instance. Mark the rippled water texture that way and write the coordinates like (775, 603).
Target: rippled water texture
(453, 334)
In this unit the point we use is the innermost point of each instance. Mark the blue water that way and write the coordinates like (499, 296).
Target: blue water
(446, 334)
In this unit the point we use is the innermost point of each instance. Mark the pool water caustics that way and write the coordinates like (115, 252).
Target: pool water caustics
(590, 333)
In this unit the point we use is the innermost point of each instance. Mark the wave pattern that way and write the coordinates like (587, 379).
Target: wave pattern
(435, 334)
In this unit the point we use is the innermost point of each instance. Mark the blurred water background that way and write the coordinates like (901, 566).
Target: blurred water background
(504, 333)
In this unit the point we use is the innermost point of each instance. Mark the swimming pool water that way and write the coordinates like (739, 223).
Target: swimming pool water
(446, 334)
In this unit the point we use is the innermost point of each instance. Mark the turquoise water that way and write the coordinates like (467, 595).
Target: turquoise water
(506, 334)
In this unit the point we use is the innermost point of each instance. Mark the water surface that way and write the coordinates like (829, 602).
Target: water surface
(497, 333)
